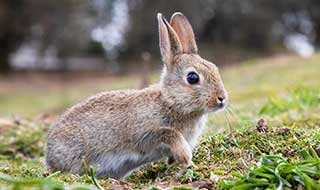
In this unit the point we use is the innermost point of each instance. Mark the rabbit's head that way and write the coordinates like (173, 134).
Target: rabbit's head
(188, 81)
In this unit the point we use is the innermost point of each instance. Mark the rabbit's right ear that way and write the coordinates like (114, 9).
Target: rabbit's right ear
(183, 29)
(168, 41)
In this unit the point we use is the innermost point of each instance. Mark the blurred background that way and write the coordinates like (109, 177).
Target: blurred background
(55, 53)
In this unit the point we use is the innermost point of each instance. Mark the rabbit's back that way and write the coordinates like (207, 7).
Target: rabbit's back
(103, 123)
(108, 112)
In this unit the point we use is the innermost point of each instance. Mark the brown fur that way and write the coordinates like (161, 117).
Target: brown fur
(119, 131)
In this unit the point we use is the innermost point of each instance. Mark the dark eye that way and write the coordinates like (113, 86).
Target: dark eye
(192, 78)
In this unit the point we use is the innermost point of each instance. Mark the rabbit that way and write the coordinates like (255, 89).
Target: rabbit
(119, 131)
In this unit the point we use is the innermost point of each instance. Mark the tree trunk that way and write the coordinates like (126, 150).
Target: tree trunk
(5, 50)
(317, 33)
(4, 62)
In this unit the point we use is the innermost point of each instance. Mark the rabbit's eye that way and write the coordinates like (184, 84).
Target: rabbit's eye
(192, 78)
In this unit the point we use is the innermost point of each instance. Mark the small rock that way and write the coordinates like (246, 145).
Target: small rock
(202, 184)
(284, 131)
(262, 126)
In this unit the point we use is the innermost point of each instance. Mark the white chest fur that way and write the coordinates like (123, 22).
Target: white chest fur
(193, 136)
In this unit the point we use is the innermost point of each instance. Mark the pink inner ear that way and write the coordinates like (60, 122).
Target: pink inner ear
(185, 33)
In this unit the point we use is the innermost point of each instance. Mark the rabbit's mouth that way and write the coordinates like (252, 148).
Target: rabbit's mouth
(217, 107)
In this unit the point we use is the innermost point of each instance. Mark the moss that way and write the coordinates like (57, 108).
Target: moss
(23, 139)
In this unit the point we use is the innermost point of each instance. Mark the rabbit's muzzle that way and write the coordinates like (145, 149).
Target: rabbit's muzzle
(217, 103)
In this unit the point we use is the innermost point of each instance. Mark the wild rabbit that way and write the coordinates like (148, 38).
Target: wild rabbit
(120, 131)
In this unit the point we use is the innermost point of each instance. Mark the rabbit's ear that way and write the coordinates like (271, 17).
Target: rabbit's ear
(168, 41)
(184, 31)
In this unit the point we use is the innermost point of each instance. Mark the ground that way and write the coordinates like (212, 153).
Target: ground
(236, 150)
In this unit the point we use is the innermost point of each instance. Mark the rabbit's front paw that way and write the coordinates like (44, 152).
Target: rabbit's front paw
(183, 155)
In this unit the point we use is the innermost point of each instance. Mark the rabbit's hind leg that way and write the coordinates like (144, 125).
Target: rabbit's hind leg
(62, 157)
(118, 165)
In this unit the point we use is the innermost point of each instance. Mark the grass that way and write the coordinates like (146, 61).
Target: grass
(276, 172)
(232, 154)
(300, 99)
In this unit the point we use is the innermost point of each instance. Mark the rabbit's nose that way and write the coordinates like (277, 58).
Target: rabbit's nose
(221, 101)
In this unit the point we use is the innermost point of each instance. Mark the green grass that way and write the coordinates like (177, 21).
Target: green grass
(300, 99)
(231, 155)
(276, 172)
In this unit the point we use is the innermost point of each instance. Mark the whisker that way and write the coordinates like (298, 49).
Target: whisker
(226, 115)
(233, 114)
(232, 110)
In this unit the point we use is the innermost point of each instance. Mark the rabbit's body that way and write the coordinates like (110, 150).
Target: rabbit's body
(116, 135)
(119, 131)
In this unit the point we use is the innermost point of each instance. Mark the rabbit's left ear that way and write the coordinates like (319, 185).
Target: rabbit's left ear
(168, 42)
(183, 28)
